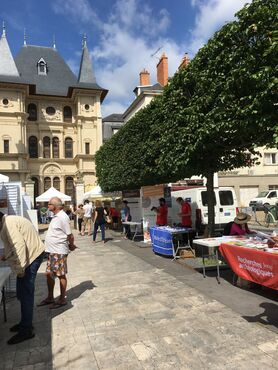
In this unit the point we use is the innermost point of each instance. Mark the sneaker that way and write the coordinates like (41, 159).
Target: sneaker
(16, 328)
(21, 336)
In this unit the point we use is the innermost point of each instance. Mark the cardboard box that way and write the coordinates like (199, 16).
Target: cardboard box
(187, 253)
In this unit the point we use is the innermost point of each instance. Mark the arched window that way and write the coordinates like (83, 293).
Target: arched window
(36, 188)
(32, 111)
(33, 147)
(56, 183)
(67, 112)
(69, 188)
(46, 147)
(68, 148)
(55, 147)
(47, 183)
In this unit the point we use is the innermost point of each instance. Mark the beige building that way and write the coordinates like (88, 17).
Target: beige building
(145, 92)
(248, 182)
(50, 120)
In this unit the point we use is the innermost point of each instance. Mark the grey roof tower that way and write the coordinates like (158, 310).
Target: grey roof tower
(86, 73)
(7, 64)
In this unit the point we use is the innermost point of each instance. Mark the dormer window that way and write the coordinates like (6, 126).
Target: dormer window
(42, 67)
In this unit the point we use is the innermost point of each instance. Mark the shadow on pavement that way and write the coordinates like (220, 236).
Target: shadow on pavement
(268, 317)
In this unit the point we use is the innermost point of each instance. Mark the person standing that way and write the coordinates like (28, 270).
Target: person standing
(80, 217)
(161, 212)
(87, 220)
(23, 250)
(185, 212)
(114, 214)
(125, 217)
(99, 221)
(58, 241)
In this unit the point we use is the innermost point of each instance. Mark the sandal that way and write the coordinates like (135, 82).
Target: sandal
(45, 302)
(57, 305)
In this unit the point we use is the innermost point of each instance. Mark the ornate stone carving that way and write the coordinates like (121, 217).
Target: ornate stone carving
(51, 170)
(51, 117)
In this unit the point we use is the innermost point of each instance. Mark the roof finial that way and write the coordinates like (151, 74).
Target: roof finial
(54, 42)
(25, 37)
(84, 41)
(4, 30)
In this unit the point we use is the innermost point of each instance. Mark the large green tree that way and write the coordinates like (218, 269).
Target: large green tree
(212, 115)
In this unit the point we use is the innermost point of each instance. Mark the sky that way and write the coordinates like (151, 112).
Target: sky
(123, 36)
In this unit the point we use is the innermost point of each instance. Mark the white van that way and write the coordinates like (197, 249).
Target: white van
(266, 198)
(226, 206)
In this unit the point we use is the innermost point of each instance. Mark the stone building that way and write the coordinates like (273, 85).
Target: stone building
(111, 125)
(50, 120)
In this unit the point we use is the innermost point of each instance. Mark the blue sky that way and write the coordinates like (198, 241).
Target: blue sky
(122, 35)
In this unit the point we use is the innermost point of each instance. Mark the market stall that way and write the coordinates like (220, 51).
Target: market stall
(252, 260)
(165, 240)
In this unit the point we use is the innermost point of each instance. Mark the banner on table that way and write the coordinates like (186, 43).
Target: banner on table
(162, 241)
(253, 265)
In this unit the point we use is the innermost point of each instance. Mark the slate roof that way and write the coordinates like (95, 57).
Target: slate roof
(86, 73)
(115, 117)
(7, 64)
(59, 80)
(59, 77)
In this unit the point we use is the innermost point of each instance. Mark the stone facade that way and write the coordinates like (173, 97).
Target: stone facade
(248, 182)
(50, 139)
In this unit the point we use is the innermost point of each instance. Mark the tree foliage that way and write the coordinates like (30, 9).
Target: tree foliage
(211, 116)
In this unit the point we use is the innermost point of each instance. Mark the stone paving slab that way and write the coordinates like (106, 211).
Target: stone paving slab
(124, 313)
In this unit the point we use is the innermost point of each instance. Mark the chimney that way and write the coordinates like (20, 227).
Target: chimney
(162, 70)
(185, 61)
(145, 78)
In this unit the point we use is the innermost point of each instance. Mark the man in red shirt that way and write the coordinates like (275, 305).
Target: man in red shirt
(185, 213)
(161, 213)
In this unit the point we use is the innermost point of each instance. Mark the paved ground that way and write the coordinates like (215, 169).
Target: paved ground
(127, 313)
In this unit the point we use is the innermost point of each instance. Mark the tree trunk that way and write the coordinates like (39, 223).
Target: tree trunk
(211, 212)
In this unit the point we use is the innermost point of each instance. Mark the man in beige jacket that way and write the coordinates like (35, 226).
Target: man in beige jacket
(23, 250)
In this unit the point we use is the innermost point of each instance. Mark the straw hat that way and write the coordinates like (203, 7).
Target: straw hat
(242, 218)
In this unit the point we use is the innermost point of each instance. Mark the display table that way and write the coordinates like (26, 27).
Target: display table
(258, 266)
(212, 245)
(163, 243)
(136, 224)
(5, 272)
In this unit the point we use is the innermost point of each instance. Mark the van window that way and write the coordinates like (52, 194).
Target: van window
(262, 194)
(226, 198)
(204, 195)
(272, 194)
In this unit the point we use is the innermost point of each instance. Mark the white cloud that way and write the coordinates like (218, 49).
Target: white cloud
(211, 15)
(132, 33)
(78, 10)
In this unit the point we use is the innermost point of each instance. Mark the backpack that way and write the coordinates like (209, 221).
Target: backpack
(227, 228)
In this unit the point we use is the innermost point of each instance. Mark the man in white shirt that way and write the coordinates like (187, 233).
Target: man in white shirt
(87, 219)
(58, 241)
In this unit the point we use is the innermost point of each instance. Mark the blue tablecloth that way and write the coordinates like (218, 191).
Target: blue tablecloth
(162, 238)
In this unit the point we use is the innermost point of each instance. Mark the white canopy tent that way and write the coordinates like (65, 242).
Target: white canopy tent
(97, 193)
(4, 178)
(50, 193)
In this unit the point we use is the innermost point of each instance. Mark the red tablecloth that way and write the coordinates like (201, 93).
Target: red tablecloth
(250, 264)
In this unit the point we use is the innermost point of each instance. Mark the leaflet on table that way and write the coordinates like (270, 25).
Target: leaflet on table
(173, 229)
(264, 236)
(272, 250)
(248, 243)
